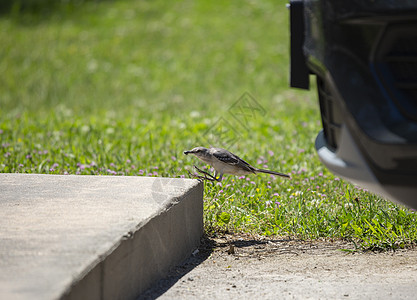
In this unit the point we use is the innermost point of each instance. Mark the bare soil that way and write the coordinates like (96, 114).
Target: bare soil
(247, 266)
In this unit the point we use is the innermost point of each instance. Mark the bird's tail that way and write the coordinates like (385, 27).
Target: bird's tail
(273, 173)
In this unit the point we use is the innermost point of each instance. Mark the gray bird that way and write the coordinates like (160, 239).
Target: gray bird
(225, 162)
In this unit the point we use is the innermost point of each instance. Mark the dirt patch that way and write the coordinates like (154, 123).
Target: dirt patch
(233, 266)
(256, 246)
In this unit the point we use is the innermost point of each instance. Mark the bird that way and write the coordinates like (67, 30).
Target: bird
(225, 162)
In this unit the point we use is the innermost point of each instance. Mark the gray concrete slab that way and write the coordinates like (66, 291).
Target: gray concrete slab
(93, 237)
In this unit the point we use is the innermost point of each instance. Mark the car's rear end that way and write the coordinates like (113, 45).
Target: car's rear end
(364, 55)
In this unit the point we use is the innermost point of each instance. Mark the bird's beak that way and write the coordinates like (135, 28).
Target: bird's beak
(187, 152)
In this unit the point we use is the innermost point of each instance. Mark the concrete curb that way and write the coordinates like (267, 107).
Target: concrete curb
(93, 237)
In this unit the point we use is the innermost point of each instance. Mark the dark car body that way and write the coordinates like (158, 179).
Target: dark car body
(364, 55)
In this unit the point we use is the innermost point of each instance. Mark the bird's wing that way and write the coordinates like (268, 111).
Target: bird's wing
(231, 159)
(225, 156)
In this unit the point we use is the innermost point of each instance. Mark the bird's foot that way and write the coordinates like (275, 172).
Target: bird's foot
(196, 176)
(207, 176)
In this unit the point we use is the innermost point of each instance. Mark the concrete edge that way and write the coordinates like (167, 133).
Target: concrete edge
(146, 253)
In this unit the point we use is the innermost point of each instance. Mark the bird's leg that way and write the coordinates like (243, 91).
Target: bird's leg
(215, 176)
(220, 177)
(196, 176)
(210, 177)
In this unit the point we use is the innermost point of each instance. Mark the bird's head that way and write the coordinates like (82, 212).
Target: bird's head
(200, 152)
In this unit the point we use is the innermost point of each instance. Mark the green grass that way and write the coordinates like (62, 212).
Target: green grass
(123, 87)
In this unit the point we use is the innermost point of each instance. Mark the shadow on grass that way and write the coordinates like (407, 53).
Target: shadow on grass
(38, 11)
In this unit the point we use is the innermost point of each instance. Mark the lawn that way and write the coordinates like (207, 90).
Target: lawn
(124, 87)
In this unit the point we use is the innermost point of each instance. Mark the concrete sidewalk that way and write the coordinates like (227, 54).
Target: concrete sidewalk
(280, 268)
(93, 237)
